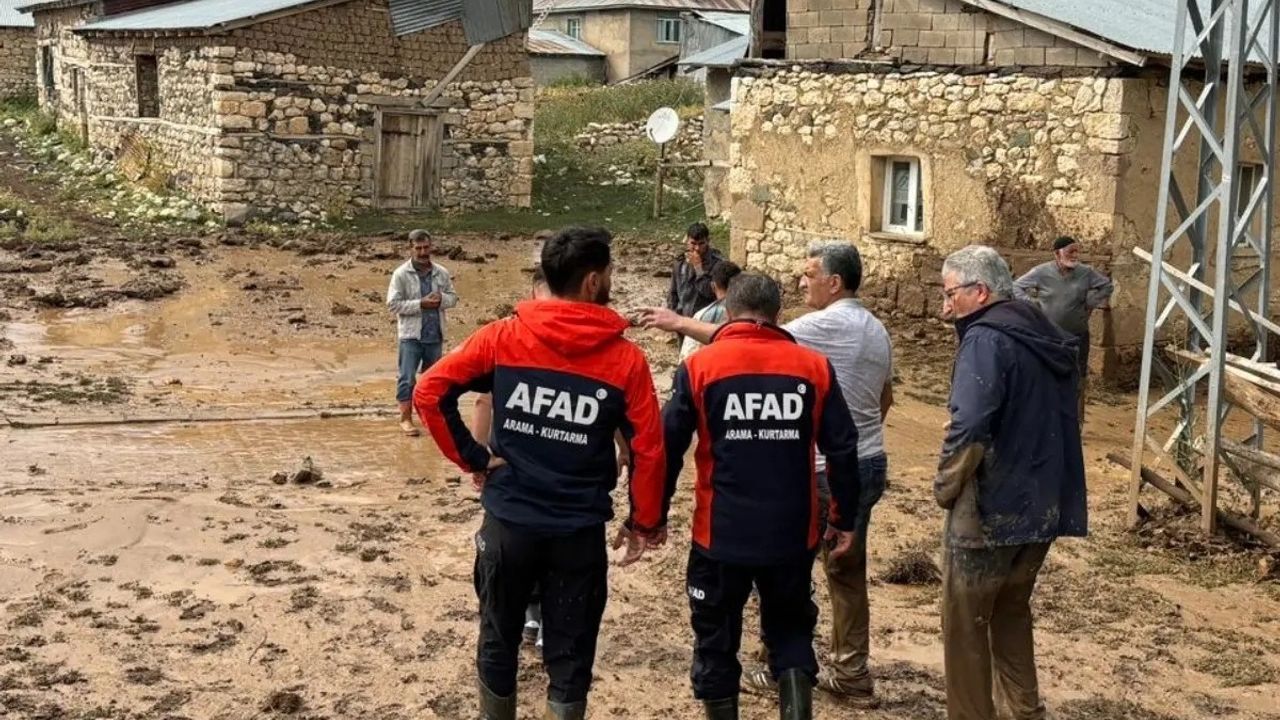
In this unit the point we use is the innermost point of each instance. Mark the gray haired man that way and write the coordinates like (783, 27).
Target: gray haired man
(858, 347)
(420, 292)
(1011, 477)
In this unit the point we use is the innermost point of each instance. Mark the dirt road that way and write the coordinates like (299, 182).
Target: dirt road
(177, 570)
(159, 571)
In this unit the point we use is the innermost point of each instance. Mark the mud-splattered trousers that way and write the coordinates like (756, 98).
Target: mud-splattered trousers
(989, 651)
(571, 573)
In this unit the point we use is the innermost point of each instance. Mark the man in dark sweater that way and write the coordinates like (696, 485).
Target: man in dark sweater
(691, 278)
(1068, 291)
(1011, 478)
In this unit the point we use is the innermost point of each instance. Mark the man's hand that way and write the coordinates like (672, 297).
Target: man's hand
(839, 541)
(637, 543)
(430, 302)
(661, 318)
(694, 258)
(478, 478)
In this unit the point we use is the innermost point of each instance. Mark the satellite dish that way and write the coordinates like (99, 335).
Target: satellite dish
(662, 125)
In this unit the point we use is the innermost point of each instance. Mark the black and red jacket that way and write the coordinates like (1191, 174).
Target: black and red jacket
(563, 381)
(759, 403)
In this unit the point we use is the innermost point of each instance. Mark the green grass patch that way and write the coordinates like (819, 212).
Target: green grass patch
(22, 222)
(566, 111)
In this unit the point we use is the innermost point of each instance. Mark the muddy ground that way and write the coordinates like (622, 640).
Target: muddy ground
(178, 569)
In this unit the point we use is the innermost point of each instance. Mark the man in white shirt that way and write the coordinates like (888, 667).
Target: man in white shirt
(858, 346)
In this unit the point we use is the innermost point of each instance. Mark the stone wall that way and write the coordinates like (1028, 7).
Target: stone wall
(550, 69)
(69, 52)
(298, 140)
(1006, 160)
(938, 32)
(246, 126)
(17, 62)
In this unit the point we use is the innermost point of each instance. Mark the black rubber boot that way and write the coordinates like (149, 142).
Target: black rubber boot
(565, 711)
(496, 707)
(795, 696)
(726, 709)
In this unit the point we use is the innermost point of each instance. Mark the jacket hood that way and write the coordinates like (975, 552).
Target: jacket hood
(572, 328)
(1024, 323)
(750, 329)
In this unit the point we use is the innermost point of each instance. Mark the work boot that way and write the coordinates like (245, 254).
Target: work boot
(795, 696)
(565, 711)
(496, 707)
(726, 709)
(406, 420)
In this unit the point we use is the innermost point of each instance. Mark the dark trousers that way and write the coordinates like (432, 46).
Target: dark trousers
(571, 573)
(717, 594)
(988, 650)
(1082, 358)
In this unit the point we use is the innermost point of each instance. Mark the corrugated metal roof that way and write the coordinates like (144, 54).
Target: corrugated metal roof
(557, 6)
(28, 6)
(733, 22)
(552, 42)
(195, 15)
(411, 16)
(1143, 25)
(721, 56)
(10, 17)
(489, 20)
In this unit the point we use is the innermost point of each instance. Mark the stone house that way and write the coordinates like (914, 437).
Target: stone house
(556, 57)
(17, 52)
(299, 108)
(638, 37)
(915, 127)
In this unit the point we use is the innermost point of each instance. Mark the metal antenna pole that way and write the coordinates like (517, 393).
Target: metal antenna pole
(1229, 108)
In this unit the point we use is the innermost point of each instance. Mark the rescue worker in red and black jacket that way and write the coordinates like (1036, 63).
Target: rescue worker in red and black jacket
(759, 403)
(563, 381)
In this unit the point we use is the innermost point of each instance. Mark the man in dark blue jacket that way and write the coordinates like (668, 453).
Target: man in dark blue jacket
(759, 404)
(1011, 477)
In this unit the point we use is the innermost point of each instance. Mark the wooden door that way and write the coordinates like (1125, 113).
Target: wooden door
(408, 159)
(80, 92)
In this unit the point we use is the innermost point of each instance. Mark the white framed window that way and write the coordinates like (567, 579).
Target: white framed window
(903, 211)
(669, 27)
(573, 27)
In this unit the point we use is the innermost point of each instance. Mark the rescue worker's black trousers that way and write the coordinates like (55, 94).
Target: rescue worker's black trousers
(717, 594)
(571, 572)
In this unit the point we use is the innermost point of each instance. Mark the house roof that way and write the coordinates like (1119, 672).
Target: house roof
(734, 22)
(30, 7)
(551, 42)
(720, 56)
(410, 16)
(10, 17)
(558, 6)
(1146, 26)
(200, 15)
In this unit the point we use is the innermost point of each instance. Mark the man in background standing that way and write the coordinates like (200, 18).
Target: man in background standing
(1011, 478)
(1068, 291)
(420, 292)
(691, 277)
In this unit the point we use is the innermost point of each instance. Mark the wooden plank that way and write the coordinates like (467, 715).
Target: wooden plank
(1178, 474)
(377, 158)
(1257, 402)
(453, 73)
(1208, 291)
(1229, 519)
(1257, 457)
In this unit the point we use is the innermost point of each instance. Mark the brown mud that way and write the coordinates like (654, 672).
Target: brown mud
(194, 570)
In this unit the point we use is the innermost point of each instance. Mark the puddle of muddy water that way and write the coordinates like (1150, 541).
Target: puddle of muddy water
(347, 450)
(219, 344)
